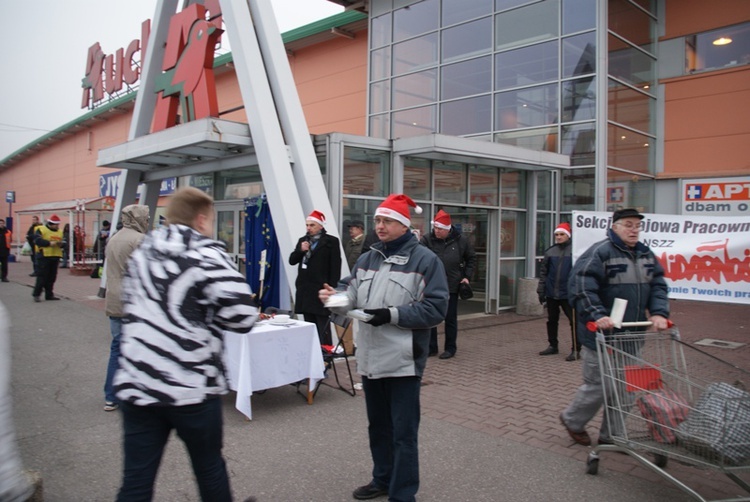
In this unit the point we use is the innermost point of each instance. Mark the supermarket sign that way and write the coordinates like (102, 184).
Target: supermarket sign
(109, 185)
(716, 196)
(705, 258)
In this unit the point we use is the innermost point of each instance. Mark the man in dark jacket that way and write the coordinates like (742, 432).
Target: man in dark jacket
(6, 237)
(459, 258)
(319, 258)
(617, 267)
(30, 238)
(553, 289)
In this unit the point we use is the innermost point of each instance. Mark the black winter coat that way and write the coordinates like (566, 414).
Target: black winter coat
(555, 271)
(457, 255)
(324, 266)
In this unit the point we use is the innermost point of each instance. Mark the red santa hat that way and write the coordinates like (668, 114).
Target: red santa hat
(53, 219)
(564, 228)
(442, 220)
(317, 217)
(396, 207)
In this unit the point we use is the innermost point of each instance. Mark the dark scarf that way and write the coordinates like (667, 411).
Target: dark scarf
(393, 247)
(313, 240)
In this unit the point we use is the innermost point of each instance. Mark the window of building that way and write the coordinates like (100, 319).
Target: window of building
(578, 189)
(466, 116)
(542, 139)
(450, 181)
(415, 89)
(631, 23)
(630, 150)
(627, 190)
(578, 15)
(631, 108)
(366, 172)
(526, 25)
(417, 180)
(467, 40)
(463, 10)
(483, 185)
(414, 122)
(532, 106)
(415, 19)
(534, 64)
(466, 78)
(380, 63)
(579, 142)
(513, 189)
(631, 64)
(720, 48)
(579, 99)
(579, 55)
(380, 96)
(415, 54)
(380, 31)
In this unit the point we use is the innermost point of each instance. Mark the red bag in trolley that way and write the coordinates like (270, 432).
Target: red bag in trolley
(662, 408)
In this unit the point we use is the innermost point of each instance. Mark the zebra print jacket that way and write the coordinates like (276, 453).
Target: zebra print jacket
(180, 293)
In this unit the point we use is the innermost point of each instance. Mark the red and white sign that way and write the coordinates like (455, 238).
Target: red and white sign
(705, 258)
(716, 196)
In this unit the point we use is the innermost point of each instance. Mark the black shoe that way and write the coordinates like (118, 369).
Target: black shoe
(432, 353)
(32, 275)
(573, 355)
(52, 298)
(549, 351)
(6, 280)
(37, 299)
(368, 492)
(447, 355)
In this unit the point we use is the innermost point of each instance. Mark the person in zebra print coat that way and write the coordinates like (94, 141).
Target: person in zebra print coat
(181, 292)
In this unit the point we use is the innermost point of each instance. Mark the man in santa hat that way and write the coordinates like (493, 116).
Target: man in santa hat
(459, 258)
(50, 241)
(402, 287)
(553, 290)
(318, 256)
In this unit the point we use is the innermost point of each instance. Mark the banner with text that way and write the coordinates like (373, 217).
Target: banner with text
(705, 258)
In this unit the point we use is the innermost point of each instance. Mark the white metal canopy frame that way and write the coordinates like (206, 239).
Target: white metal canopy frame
(289, 169)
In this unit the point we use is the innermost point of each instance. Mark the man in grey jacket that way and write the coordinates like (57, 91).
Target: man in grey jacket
(134, 219)
(402, 287)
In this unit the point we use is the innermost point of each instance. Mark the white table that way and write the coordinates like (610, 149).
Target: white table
(271, 356)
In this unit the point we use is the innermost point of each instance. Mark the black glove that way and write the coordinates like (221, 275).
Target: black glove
(379, 316)
(542, 298)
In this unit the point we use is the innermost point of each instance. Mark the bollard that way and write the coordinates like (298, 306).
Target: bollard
(527, 302)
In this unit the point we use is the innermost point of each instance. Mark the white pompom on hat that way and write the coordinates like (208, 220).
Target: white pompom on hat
(317, 217)
(442, 220)
(396, 207)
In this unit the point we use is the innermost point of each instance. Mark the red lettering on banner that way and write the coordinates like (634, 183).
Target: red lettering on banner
(707, 268)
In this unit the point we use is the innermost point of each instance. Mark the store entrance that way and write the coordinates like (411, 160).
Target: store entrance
(474, 226)
(229, 228)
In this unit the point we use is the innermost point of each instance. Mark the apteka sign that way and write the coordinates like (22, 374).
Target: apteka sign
(704, 257)
(716, 196)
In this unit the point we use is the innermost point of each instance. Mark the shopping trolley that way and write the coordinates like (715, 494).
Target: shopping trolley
(668, 399)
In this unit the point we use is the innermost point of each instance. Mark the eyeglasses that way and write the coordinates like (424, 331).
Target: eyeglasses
(629, 226)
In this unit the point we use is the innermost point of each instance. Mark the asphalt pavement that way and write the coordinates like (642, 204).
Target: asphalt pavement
(489, 428)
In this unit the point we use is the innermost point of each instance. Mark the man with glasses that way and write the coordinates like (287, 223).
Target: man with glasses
(402, 288)
(618, 267)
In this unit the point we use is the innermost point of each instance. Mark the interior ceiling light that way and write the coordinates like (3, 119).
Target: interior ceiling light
(722, 41)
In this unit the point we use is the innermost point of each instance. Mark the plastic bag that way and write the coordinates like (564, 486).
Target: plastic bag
(26, 249)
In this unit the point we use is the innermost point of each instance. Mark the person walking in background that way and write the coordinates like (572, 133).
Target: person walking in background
(66, 250)
(100, 248)
(6, 241)
(121, 245)
(30, 238)
(50, 241)
(353, 247)
(318, 256)
(402, 285)
(618, 267)
(554, 273)
(459, 259)
(180, 294)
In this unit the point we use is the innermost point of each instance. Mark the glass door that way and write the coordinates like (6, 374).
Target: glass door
(230, 229)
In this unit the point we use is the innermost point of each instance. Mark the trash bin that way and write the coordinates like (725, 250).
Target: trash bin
(528, 300)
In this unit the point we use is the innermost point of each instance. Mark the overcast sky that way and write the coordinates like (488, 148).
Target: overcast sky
(44, 47)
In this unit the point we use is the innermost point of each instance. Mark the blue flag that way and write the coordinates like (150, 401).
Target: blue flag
(260, 236)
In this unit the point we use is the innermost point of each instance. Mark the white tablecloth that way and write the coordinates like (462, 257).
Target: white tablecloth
(271, 356)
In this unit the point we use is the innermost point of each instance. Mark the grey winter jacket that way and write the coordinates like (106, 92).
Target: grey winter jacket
(411, 283)
(119, 248)
(609, 270)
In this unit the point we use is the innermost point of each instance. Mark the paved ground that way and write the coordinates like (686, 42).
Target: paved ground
(489, 429)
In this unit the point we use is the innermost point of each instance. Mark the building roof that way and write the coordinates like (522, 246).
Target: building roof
(90, 204)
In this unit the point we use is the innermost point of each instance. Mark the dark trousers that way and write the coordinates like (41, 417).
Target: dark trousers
(553, 319)
(320, 322)
(451, 327)
(3, 266)
(146, 430)
(393, 413)
(46, 275)
(34, 260)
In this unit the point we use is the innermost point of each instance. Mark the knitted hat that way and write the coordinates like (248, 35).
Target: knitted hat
(442, 220)
(54, 219)
(317, 217)
(396, 207)
(564, 228)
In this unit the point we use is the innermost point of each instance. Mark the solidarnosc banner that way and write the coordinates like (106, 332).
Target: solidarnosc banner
(705, 258)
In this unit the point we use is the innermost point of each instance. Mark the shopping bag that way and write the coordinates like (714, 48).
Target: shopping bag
(26, 249)
(663, 410)
(718, 426)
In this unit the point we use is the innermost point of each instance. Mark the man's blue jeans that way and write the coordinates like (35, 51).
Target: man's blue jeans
(393, 413)
(146, 430)
(115, 327)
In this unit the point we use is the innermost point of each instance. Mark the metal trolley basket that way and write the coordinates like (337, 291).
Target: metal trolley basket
(667, 398)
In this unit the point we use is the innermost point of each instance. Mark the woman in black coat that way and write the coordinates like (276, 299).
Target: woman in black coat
(319, 258)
